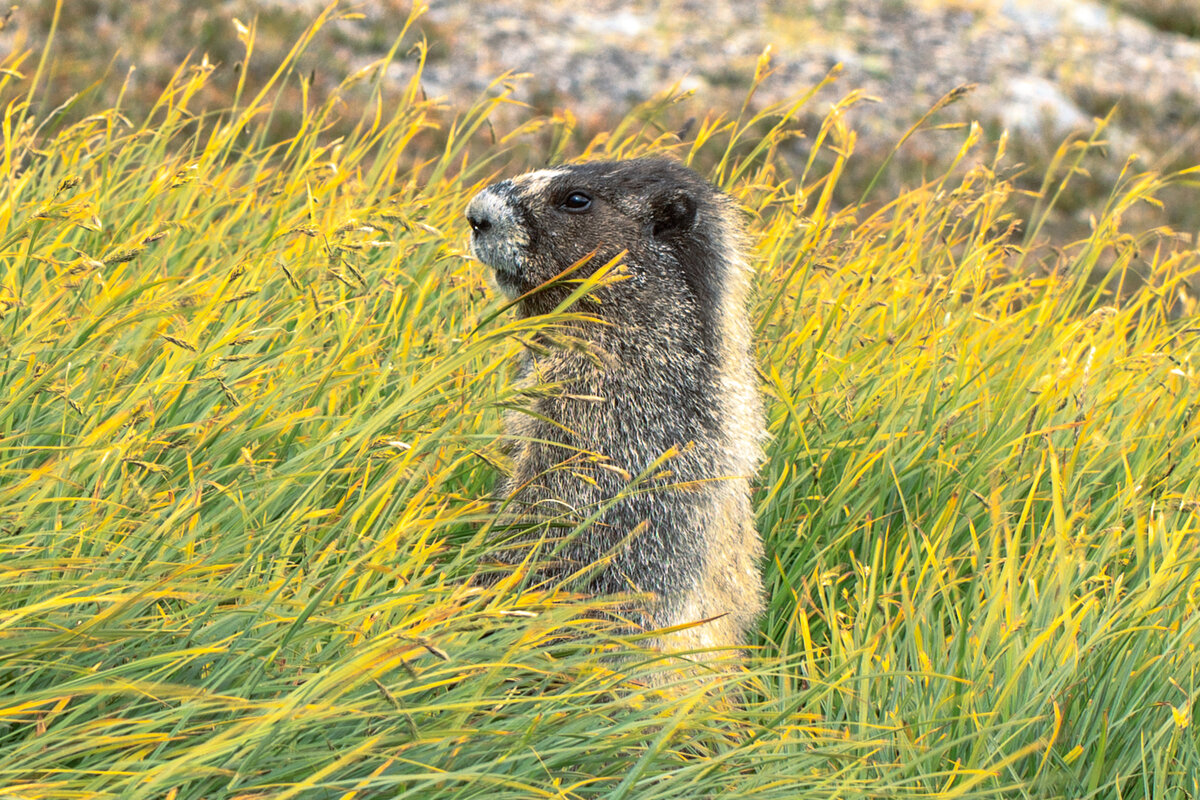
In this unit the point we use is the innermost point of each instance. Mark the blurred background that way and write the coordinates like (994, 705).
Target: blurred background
(1042, 70)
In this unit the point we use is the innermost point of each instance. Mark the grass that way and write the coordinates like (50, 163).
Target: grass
(250, 416)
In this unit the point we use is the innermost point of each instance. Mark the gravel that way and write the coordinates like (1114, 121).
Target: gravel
(1040, 65)
(1043, 67)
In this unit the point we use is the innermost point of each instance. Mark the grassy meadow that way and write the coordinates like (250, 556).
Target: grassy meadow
(250, 419)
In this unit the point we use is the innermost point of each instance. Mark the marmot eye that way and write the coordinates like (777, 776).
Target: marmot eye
(577, 202)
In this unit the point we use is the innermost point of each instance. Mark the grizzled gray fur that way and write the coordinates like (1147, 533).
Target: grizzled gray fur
(668, 369)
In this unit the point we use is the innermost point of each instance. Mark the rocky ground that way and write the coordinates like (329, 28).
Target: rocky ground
(1042, 68)
(1036, 62)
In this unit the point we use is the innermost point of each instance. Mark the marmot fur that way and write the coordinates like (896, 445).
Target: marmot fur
(669, 368)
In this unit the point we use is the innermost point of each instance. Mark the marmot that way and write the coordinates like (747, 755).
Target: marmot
(669, 369)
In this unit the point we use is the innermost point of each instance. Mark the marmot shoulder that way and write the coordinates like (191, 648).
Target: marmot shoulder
(656, 432)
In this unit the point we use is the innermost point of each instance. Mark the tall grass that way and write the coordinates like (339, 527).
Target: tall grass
(250, 413)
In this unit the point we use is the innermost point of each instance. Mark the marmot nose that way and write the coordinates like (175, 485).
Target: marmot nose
(479, 223)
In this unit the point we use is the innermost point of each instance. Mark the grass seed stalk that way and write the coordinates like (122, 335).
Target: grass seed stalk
(250, 417)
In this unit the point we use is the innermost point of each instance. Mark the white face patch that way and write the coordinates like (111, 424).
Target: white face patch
(499, 238)
(535, 183)
(496, 209)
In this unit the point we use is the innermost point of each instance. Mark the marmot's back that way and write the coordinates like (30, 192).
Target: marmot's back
(669, 370)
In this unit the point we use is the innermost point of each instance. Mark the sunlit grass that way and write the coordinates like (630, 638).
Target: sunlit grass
(251, 398)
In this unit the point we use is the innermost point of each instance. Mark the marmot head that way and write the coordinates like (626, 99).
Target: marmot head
(678, 232)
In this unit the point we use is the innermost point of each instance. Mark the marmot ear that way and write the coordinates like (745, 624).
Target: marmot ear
(671, 212)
